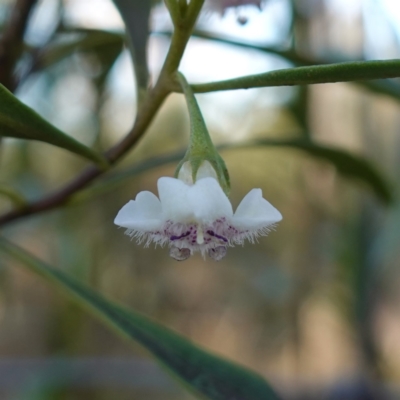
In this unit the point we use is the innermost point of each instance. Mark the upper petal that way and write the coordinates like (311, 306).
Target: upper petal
(209, 201)
(254, 212)
(174, 200)
(143, 214)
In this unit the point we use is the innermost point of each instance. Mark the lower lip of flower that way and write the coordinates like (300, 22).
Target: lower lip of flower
(196, 235)
(187, 238)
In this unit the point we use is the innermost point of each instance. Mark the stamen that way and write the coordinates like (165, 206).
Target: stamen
(217, 253)
(200, 235)
(179, 254)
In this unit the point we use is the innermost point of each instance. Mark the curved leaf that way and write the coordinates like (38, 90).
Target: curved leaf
(205, 373)
(17, 120)
(347, 164)
(136, 15)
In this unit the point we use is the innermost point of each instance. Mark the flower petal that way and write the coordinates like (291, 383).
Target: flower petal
(208, 201)
(174, 200)
(254, 212)
(143, 214)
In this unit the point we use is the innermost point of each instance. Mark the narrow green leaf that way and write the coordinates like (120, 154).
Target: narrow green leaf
(206, 374)
(136, 15)
(309, 75)
(386, 87)
(17, 120)
(347, 164)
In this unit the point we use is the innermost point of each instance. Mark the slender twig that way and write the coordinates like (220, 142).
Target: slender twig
(152, 102)
(11, 42)
(199, 138)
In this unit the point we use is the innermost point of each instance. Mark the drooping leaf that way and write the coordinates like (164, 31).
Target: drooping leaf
(17, 120)
(136, 15)
(204, 373)
(347, 164)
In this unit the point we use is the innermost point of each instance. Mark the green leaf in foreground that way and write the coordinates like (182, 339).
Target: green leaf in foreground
(206, 374)
(347, 164)
(17, 120)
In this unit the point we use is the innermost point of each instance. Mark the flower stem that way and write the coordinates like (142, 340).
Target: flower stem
(201, 147)
(199, 136)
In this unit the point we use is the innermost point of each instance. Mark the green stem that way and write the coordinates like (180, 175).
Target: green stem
(330, 73)
(182, 32)
(201, 147)
(173, 9)
(183, 6)
(199, 136)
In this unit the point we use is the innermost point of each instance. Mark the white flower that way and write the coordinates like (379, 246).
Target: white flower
(222, 5)
(196, 217)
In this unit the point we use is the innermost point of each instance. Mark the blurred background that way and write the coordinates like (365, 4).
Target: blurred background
(314, 307)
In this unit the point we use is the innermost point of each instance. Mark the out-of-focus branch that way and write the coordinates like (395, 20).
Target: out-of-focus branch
(148, 109)
(11, 42)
